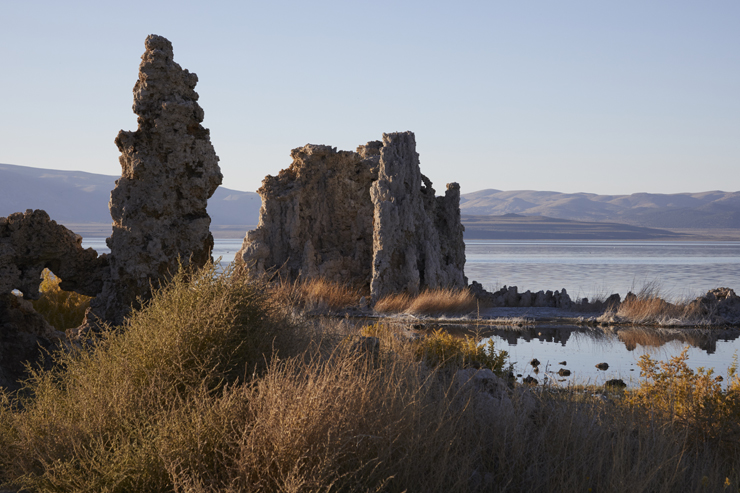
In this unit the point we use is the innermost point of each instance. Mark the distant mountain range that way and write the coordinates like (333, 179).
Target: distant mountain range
(80, 199)
(705, 210)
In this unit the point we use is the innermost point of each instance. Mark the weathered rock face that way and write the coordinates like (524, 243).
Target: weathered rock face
(317, 217)
(31, 242)
(368, 218)
(720, 305)
(409, 222)
(169, 171)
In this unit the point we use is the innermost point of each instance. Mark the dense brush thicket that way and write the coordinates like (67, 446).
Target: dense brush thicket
(211, 387)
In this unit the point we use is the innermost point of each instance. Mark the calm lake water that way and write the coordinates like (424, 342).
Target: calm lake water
(587, 268)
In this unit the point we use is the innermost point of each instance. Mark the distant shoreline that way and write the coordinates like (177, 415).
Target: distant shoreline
(504, 230)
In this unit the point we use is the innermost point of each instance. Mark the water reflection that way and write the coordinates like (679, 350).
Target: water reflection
(582, 348)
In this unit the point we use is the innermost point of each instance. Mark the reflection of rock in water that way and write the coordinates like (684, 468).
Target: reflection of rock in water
(705, 340)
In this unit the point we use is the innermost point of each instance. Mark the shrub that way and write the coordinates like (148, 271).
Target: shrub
(93, 422)
(62, 309)
(692, 399)
(440, 349)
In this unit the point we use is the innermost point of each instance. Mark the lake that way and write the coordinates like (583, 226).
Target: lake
(586, 268)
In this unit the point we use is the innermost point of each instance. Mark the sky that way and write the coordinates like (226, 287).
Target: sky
(568, 96)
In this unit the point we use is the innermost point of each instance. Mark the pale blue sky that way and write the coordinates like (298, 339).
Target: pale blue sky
(594, 96)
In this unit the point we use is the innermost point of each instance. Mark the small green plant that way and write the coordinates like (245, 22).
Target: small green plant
(62, 309)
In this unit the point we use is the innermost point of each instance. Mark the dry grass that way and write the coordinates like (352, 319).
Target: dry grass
(430, 302)
(62, 309)
(192, 397)
(647, 307)
(315, 294)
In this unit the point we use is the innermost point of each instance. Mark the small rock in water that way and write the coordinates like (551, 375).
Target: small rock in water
(563, 363)
(535, 362)
(616, 383)
(564, 372)
(602, 366)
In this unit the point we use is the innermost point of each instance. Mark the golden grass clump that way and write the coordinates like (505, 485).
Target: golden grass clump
(315, 293)
(440, 301)
(62, 309)
(647, 307)
(393, 303)
(440, 349)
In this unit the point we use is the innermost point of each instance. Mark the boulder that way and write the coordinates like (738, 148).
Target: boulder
(720, 305)
(169, 170)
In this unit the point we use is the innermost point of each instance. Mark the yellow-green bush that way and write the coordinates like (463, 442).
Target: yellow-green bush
(62, 309)
(692, 399)
(442, 349)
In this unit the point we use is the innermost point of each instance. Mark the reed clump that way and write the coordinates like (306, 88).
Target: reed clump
(440, 301)
(62, 309)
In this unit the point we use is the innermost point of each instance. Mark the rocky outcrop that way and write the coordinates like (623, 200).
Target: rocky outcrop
(721, 306)
(31, 242)
(510, 297)
(169, 171)
(317, 217)
(367, 218)
(407, 250)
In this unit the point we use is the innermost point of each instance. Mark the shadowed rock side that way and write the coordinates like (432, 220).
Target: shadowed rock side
(367, 218)
(29, 243)
(170, 169)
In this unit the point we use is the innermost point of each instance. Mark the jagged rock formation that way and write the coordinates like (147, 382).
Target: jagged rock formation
(317, 217)
(417, 237)
(368, 218)
(169, 171)
(719, 305)
(511, 297)
(31, 242)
